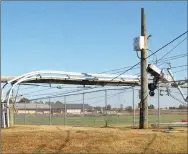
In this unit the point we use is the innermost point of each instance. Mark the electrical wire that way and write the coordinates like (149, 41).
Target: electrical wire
(172, 49)
(95, 97)
(108, 96)
(180, 70)
(113, 95)
(167, 60)
(176, 92)
(151, 54)
(55, 96)
(53, 92)
(78, 90)
(36, 91)
(155, 56)
(161, 62)
(34, 86)
(179, 66)
(58, 93)
(156, 52)
(177, 99)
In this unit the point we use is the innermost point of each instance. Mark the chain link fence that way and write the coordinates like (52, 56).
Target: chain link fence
(84, 111)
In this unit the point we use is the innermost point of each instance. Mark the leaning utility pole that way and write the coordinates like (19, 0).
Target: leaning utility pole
(144, 76)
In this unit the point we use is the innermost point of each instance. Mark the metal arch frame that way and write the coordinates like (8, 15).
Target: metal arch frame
(72, 75)
(31, 75)
(8, 97)
(68, 74)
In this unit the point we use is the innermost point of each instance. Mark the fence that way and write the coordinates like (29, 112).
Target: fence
(84, 113)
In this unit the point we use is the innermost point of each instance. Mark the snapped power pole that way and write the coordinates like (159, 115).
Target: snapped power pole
(144, 76)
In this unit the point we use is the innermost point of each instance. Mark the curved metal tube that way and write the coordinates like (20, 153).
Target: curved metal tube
(9, 94)
(33, 75)
(74, 74)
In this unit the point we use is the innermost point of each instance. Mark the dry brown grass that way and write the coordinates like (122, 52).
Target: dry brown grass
(59, 139)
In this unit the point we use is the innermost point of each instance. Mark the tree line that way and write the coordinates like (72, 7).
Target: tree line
(179, 107)
(27, 101)
(99, 108)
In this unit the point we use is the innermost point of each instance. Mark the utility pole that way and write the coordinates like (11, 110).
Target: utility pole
(50, 111)
(65, 112)
(25, 113)
(106, 123)
(83, 109)
(133, 110)
(158, 106)
(106, 102)
(144, 76)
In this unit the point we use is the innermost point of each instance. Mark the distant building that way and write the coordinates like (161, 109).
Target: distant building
(70, 108)
(21, 108)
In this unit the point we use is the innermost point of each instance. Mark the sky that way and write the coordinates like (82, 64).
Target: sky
(87, 36)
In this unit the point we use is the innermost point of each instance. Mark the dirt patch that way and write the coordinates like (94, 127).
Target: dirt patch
(60, 139)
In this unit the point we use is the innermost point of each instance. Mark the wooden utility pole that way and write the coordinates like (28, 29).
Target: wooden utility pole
(106, 121)
(144, 76)
(11, 116)
(50, 112)
(158, 107)
(65, 110)
(133, 110)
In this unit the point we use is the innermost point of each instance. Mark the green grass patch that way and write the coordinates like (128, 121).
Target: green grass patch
(95, 121)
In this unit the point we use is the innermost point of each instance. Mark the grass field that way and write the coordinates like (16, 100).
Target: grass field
(67, 139)
(93, 121)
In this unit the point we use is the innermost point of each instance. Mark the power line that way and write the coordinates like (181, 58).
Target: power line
(108, 96)
(170, 59)
(55, 96)
(67, 87)
(172, 49)
(53, 92)
(155, 56)
(180, 70)
(173, 58)
(113, 95)
(163, 61)
(179, 66)
(177, 99)
(174, 67)
(176, 92)
(114, 69)
(151, 54)
(159, 61)
(35, 91)
(96, 97)
(34, 86)
(166, 59)
(63, 92)
(26, 94)
(148, 56)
